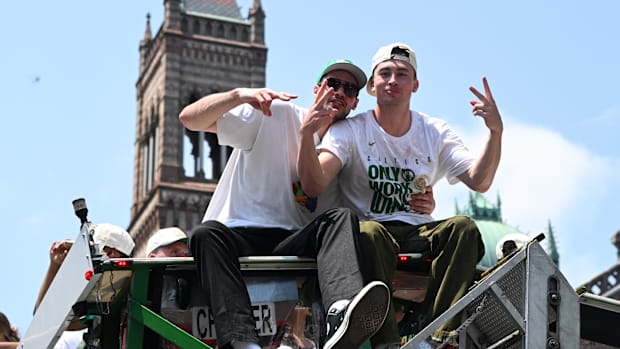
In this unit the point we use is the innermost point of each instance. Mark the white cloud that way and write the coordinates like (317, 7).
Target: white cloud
(544, 177)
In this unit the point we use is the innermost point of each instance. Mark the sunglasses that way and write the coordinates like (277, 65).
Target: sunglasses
(350, 90)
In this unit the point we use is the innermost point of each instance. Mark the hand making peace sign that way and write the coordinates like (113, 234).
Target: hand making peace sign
(486, 108)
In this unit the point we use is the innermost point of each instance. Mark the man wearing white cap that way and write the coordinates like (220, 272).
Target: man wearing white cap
(385, 155)
(167, 242)
(112, 241)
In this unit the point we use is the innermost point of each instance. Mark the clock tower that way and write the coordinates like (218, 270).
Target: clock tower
(202, 47)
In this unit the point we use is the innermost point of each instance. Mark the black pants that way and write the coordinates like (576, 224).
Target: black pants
(331, 238)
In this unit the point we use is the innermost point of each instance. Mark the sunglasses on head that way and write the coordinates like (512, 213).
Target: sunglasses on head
(350, 90)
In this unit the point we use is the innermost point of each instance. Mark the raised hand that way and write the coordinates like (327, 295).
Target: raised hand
(320, 115)
(262, 98)
(486, 108)
(59, 251)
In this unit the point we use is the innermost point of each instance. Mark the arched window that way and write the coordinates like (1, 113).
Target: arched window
(197, 146)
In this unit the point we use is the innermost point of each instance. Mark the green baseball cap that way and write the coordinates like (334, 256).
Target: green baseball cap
(348, 66)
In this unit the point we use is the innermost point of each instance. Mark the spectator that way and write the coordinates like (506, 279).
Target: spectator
(167, 242)
(9, 338)
(113, 242)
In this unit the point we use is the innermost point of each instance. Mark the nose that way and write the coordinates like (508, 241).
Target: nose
(392, 78)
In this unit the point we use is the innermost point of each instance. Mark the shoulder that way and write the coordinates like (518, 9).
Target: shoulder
(430, 122)
(360, 117)
(349, 124)
(279, 107)
(359, 120)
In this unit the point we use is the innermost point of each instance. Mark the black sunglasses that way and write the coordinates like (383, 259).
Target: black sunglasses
(350, 90)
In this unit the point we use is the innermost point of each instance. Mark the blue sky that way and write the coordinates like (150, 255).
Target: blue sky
(67, 91)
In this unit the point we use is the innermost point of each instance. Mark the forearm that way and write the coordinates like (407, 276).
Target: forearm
(45, 285)
(309, 168)
(202, 115)
(481, 175)
(8, 345)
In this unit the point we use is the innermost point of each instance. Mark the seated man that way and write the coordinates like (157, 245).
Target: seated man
(259, 208)
(383, 156)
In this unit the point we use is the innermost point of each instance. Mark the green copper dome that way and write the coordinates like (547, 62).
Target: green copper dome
(488, 217)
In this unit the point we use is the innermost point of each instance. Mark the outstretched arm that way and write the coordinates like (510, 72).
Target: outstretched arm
(58, 252)
(316, 171)
(480, 176)
(203, 114)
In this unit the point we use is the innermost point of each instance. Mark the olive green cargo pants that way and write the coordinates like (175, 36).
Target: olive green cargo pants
(454, 245)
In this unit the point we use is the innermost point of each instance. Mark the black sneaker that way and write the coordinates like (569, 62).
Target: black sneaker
(350, 323)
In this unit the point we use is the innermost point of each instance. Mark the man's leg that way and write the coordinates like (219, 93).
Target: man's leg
(216, 250)
(379, 254)
(332, 238)
(456, 247)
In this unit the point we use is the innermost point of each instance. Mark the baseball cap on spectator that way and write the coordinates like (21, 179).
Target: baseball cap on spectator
(111, 235)
(349, 67)
(165, 237)
(396, 50)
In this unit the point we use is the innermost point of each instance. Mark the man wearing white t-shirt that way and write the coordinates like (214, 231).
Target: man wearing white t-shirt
(385, 155)
(259, 208)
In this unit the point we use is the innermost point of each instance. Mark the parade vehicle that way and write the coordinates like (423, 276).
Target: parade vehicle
(524, 301)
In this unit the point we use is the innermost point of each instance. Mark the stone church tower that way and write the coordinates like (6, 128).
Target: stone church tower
(202, 46)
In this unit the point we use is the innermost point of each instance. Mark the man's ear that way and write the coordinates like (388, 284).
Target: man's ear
(416, 85)
(371, 83)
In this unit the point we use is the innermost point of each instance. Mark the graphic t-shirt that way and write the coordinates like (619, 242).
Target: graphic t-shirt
(380, 172)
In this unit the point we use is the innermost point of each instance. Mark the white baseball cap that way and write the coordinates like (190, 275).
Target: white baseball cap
(396, 50)
(164, 237)
(111, 235)
(509, 243)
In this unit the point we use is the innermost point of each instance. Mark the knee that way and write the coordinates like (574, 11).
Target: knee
(468, 232)
(205, 234)
(465, 226)
(372, 228)
(340, 212)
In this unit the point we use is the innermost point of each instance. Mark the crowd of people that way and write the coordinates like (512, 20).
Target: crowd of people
(351, 191)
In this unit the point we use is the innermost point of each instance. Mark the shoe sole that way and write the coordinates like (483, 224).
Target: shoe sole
(363, 318)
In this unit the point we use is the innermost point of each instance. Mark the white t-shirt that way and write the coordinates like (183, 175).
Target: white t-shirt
(259, 184)
(379, 171)
(69, 340)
